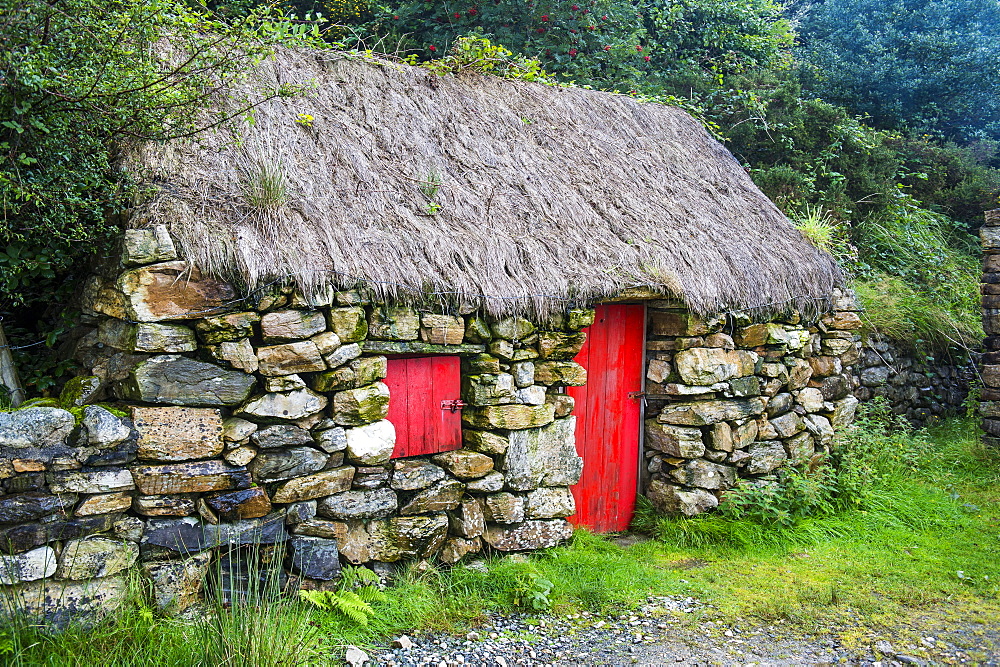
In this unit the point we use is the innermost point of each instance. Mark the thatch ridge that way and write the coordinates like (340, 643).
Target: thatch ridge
(548, 196)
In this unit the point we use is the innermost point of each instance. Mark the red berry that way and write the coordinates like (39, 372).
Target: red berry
(638, 47)
(545, 17)
(607, 48)
(576, 8)
(604, 18)
(457, 15)
(433, 48)
(646, 58)
(572, 52)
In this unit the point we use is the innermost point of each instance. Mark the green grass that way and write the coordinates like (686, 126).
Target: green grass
(918, 541)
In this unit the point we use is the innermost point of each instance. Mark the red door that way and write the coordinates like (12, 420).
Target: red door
(608, 421)
(417, 388)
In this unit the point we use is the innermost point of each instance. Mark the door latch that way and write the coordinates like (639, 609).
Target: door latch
(454, 405)
(636, 394)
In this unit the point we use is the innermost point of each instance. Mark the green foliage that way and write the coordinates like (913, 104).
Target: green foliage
(474, 53)
(355, 593)
(931, 65)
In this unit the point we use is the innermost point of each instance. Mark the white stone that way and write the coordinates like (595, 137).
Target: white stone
(811, 399)
(820, 427)
(371, 444)
(533, 395)
(342, 355)
(103, 428)
(288, 406)
(96, 557)
(524, 373)
(28, 566)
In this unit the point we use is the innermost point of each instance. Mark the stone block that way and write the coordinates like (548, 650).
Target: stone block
(275, 465)
(359, 504)
(281, 435)
(325, 483)
(331, 530)
(441, 496)
(825, 366)
(60, 603)
(509, 417)
(558, 345)
(442, 329)
(407, 537)
(178, 434)
(357, 373)
(467, 519)
(315, 557)
(680, 441)
(578, 318)
(523, 372)
(562, 403)
(675, 500)
(800, 448)
(560, 372)
(371, 444)
(530, 535)
(290, 358)
(365, 405)
(799, 374)
(720, 437)
(331, 440)
(249, 503)
(286, 406)
(394, 323)
(414, 474)
(488, 389)
(787, 425)
(666, 323)
(456, 548)
(193, 477)
(226, 328)
(464, 464)
(178, 380)
(28, 566)
(706, 366)
(147, 245)
(811, 399)
(177, 584)
(286, 325)
(350, 324)
(757, 335)
(96, 557)
(146, 336)
(512, 328)
(765, 457)
(32, 506)
(239, 355)
(534, 395)
(104, 503)
(164, 505)
(90, 481)
(19, 538)
(503, 508)
(166, 291)
(491, 483)
(543, 457)
(705, 413)
(35, 427)
(549, 503)
(704, 474)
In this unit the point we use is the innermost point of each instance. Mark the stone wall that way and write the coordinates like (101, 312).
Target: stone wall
(263, 424)
(989, 408)
(729, 399)
(919, 387)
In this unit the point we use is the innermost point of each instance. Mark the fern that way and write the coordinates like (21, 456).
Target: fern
(356, 591)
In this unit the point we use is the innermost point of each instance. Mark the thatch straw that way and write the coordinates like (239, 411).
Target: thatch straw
(547, 196)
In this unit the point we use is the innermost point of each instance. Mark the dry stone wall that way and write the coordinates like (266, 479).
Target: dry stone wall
(253, 437)
(730, 399)
(989, 408)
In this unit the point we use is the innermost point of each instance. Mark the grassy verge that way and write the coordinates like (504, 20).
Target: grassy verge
(916, 539)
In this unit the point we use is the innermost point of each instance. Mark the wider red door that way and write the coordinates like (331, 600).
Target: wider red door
(608, 421)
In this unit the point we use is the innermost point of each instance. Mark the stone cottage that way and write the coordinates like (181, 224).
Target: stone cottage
(409, 316)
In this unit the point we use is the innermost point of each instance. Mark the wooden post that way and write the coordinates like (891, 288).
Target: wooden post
(9, 381)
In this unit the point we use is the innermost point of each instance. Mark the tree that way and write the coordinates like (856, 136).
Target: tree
(931, 65)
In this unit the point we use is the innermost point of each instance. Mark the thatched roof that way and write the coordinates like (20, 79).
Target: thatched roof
(547, 195)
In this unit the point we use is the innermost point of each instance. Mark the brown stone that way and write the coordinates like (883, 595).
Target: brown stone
(331, 530)
(195, 477)
(164, 505)
(282, 325)
(468, 519)
(560, 372)
(442, 329)
(509, 417)
(464, 464)
(104, 503)
(563, 404)
(558, 345)
(705, 413)
(442, 496)
(242, 504)
(325, 483)
(290, 358)
(178, 434)
(530, 535)
(170, 291)
(844, 321)
(825, 366)
(504, 508)
(456, 548)
(665, 323)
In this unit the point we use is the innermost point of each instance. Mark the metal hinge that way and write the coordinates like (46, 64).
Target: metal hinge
(454, 405)
(637, 394)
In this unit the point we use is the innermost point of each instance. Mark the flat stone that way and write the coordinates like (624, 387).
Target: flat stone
(765, 457)
(757, 335)
(681, 441)
(488, 389)
(787, 425)
(286, 406)
(188, 535)
(177, 584)
(543, 457)
(28, 566)
(364, 405)
(181, 381)
(407, 537)
(229, 327)
(96, 557)
(146, 246)
(350, 324)
(558, 345)
(503, 508)
(315, 557)
(332, 530)
(370, 477)
(705, 413)
(325, 483)
(464, 464)
(665, 323)
(281, 435)
(290, 359)
(674, 500)
(443, 495)
(371, 444)
(484, 442)
(414, 474)
(236, 429)
(90, 481)
(193, 477)
(359, 504)
(706, 366)
(417, 347)
(442, 329)
(300, 511)
(178, 434)
(327, 342)
(720, 437)
(509, 417)
(357, 373)
(811, 399)
(241, 504)
(394, 323)
(549, 503)
(284, 325)
(512, 328)
(456, 548)
(60, 603)
(276, 465)
(800, 448)
(238, 354)
(704, 474)
(104, 503)
(146, 337)
(129, 528)
(467, 519)
(169, 291)
(19, 538)
(530, 535)
(342, 355)
(332, 440)
(240, 456)
(25, 507)
(560, 372)
(35, 427)
(164, 505)
(491, 483)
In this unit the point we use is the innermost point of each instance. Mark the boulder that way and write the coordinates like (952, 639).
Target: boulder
(371, 444)
(705, 413)
(394, 323)
(543, 457)
(275, 465)
(165, 291)
(249, 503)
(315, 557)
(28, 566)
(681, 441)
(549, 503)
(179, 434)
(193, 477)
(364, 405)
(177, 584)
(560, 372)
(530, 535)
(178, 380)
(359, 504)
(35, 427)
(765, 457)
(226, 328)
(464, 464)
(414, 474)
(284, 325)
(442, 496)
(672, 499)
(290, 358)
(442, 329)
(509, 417)
(96, 557)
(325, 483)
(467, 519)
(286, 406)
(281, 435)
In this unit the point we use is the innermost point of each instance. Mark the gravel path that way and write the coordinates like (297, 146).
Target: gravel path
(666, 631)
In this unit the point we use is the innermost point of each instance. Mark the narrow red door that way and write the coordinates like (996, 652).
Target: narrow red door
(608, 421)
(418, 386)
